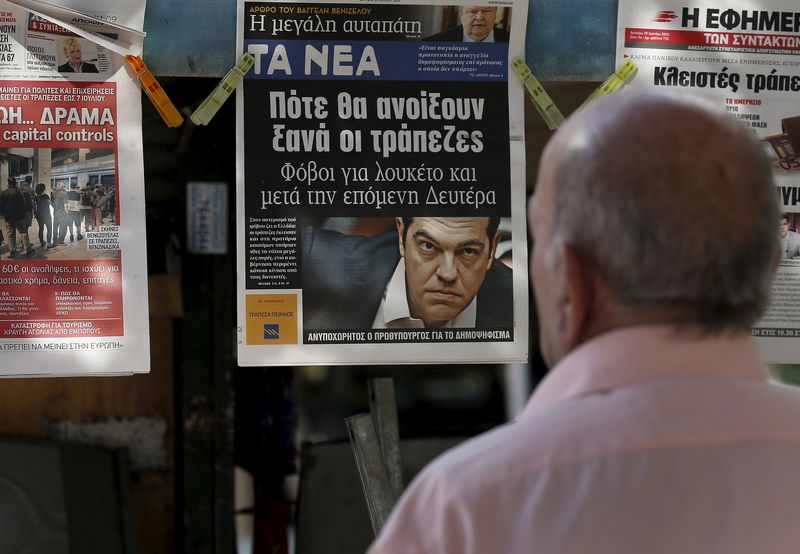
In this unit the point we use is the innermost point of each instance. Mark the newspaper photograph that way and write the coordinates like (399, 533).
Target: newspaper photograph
(72, 254)
(380, 184)
(745, 56)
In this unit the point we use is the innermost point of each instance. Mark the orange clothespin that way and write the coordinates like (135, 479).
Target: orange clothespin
(169, 113)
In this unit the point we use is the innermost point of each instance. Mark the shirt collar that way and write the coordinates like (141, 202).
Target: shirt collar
(635, 355)
(395, 304)
(394, 311)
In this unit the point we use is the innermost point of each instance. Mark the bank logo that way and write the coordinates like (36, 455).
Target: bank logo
(271, 331)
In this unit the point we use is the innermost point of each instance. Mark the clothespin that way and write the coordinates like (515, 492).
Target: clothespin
(155, 93)
(214, 101)
(621, 77)
(544, 104)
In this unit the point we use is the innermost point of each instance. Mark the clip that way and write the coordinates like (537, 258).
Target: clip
(619, 79)
(155, 93)
(544, 104)
(214, 101)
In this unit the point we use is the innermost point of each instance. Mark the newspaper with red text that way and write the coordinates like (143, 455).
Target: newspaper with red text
(73, 278)
(745, 57)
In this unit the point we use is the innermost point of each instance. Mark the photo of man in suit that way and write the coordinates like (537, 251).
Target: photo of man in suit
(790, 241)
(430, 272)
(75, 64)
(477, 25)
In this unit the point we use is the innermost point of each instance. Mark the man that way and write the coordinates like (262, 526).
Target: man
(477, 25)
(75, 63)
(26, 188)
(13, 208)
(60, 216)
(87, 206)
(433, 272)
(790, 241)
(43, 217)
(657, 429)
(74, 212)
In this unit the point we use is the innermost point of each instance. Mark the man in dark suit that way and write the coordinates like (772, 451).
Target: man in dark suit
(13, 208)
(433, 272)
(75, 63)
(477, 25)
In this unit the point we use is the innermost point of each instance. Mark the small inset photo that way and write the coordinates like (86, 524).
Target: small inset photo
(789, 236)
(473, 24)
(58, 204)
(77, 56)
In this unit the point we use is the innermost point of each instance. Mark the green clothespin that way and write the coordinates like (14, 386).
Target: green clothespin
(619, 79)
(209, 107)
(544, 104)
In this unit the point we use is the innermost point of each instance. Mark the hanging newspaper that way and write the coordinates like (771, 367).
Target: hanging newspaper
(745, 56)
(381, 192)
(73, 278)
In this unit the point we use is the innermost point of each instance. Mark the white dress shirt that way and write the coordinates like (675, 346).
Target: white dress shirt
(393, 312)
(638, 442)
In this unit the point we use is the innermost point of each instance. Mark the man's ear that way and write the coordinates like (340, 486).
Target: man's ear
(398, 221)
(581, 289)
(493, 249)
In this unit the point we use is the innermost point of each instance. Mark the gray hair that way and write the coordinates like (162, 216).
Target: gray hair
(674, 204)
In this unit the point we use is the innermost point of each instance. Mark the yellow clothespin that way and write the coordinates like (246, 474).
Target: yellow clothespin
(154, 92)
(544, 104)
(621, 77)
(214, 101)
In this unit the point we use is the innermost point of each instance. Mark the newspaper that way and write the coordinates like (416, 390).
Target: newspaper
(73, 277)
(745, 56)
(380, 184)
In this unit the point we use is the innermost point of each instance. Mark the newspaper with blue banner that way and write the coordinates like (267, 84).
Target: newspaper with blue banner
(381, 184)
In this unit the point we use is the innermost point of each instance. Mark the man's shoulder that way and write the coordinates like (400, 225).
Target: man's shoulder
(496, 297)
(524, 446)
(344, 276)
(468, 480)
(452, 34)
(333, 243)
(501, 35)
(499, 275)
(618, 424)
(66, 68)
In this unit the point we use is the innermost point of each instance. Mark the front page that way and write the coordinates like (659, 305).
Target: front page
(381, 196)
(72, 260)
(745, 56)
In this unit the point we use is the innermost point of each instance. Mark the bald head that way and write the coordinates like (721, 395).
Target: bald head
(672, 203)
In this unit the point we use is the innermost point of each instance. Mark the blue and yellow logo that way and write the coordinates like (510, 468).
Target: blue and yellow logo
(272, 319)
(272, 332)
